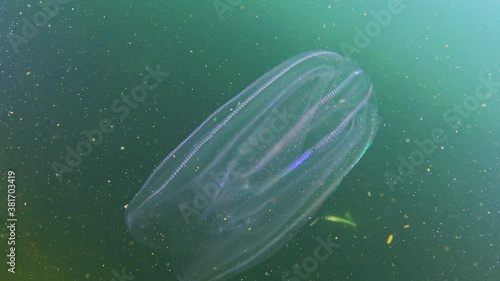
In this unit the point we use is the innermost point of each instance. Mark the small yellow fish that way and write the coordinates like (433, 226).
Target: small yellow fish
(348, 219)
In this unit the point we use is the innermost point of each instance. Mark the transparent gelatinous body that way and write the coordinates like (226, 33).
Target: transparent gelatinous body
(242, 184)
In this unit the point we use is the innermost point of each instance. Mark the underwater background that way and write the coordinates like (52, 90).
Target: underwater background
(425, 197)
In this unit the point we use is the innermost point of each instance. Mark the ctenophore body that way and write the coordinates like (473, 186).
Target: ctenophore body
(247, 179)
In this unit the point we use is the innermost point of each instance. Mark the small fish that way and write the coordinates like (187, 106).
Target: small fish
(347, 220)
